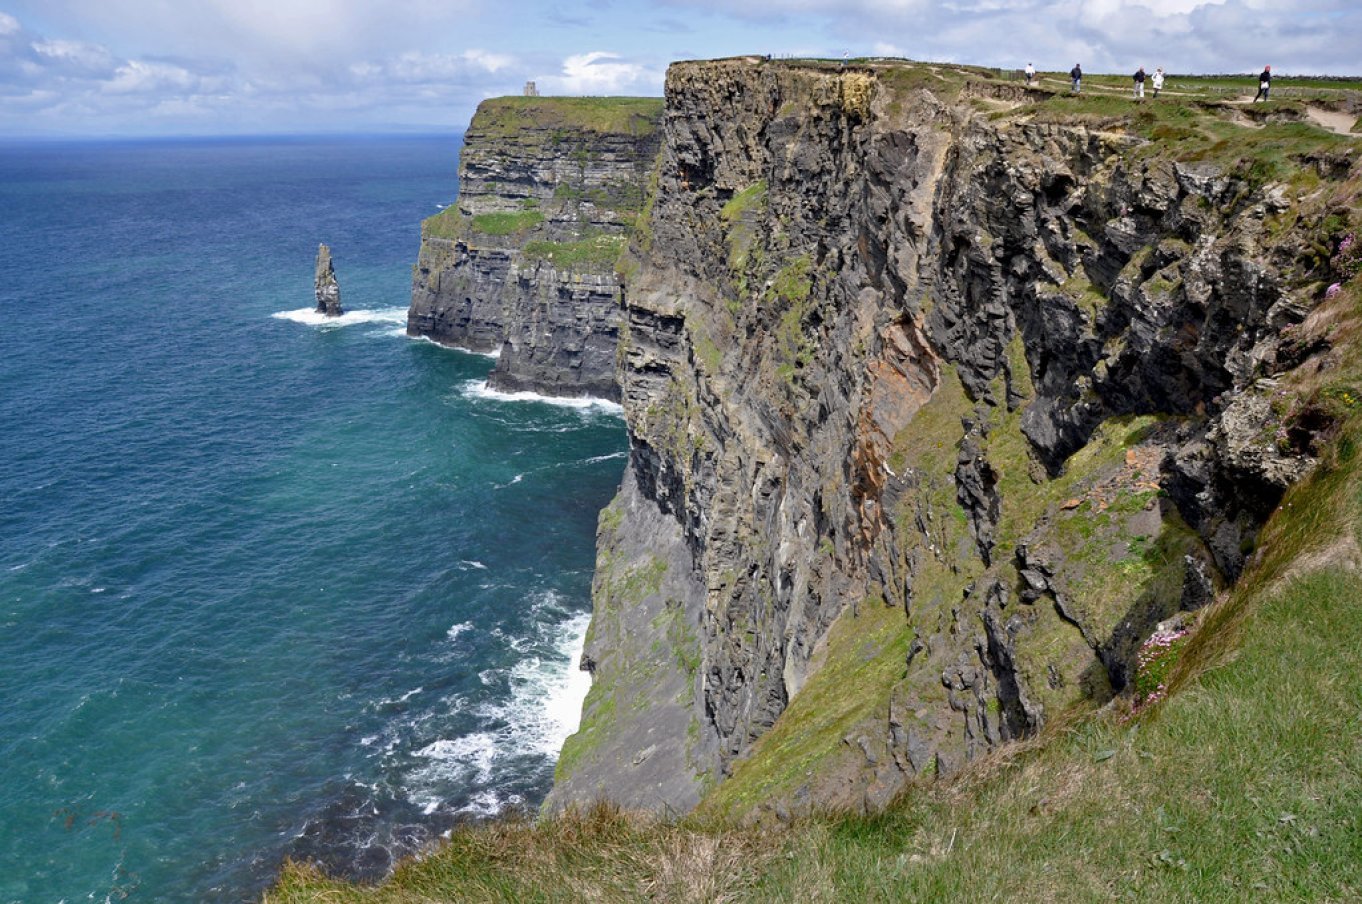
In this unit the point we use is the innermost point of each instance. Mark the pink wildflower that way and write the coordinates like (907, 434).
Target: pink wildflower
(1333, 290)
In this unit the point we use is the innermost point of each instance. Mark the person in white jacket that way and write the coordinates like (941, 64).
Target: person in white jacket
(1157, 81)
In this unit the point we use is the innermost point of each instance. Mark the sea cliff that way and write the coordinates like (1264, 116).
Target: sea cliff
(523, 263)
(942, 395)
(992, 523)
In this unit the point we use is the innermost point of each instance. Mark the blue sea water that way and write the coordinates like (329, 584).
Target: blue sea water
(268, 587)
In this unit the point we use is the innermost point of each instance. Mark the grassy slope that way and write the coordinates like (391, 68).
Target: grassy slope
(607, 115)
(1245, 785)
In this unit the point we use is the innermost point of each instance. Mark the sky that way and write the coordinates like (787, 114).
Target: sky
(98, 68)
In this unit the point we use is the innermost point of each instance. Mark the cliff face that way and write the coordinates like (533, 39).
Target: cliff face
(524, 262)
(941, 396)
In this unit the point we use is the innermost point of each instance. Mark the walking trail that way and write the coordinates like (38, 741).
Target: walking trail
(1338, 123)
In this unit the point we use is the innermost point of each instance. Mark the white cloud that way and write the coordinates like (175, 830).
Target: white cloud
(282, 34)
(138, 77)
(75, 55)
(1304, 36)
(492, 62)
(848, 9)
(415, 66)
(8, 24)
(601, 73)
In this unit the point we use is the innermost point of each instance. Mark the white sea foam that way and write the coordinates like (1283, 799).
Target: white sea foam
(455, 630)
(558, 689)
(478, 389)
(475, 751)
(310, 317)
(613, 455)
(493, 354)
(547, 689)
(486, 803)
(472, 563)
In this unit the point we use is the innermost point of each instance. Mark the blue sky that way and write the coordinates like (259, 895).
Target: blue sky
(194, 67)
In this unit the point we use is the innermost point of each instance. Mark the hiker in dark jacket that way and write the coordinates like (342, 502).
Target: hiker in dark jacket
(1139, 83)
(1076, 74)
(1264, 83)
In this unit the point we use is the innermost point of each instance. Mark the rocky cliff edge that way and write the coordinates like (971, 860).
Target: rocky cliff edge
(942, 394)
(523, 263)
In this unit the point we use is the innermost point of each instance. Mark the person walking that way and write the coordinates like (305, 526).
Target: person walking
(1076, 74)
(1264, 83)
(1158, 81)
(1139, 83)
(1030, 73)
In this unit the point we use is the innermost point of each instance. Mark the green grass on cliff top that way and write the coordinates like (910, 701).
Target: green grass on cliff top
(521, 116)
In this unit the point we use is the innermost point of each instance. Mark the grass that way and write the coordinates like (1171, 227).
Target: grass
(740, 215)
(447, 224)
(599, 854)
(596, 253)
(862, 662)
(540, 117)
(506, 223)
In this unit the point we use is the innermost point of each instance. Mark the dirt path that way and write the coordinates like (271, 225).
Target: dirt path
(1338, 123)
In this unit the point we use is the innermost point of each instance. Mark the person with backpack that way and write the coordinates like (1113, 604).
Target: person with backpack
(1139, 83)
(1264, 83)
(1076, 74)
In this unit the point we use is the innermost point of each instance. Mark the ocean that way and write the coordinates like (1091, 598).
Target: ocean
(269, 586)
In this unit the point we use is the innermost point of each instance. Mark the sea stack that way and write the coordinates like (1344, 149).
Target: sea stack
(327, 289)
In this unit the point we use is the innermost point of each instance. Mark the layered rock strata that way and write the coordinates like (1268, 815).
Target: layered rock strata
(940, 397)
(523, 264)
(325, 287)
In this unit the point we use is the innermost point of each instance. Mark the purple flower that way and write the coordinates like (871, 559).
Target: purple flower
(1333, 290)
(1345, 245)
